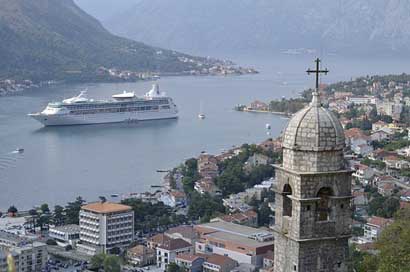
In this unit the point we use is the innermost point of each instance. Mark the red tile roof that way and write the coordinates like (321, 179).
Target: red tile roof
(355, 133)
(188, 257)
(379, 221)
(174, 244)
(106, 207)
(219, 260)
(159, 239)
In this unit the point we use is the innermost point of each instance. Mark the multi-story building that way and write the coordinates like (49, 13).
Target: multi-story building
(66, 235)
(362, 100)
(374, 227)
(168, 251)
(28, 256)
(104, 226)
(363, 173)
(241, 243)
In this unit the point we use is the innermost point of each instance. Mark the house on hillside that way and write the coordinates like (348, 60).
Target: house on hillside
(374, 226)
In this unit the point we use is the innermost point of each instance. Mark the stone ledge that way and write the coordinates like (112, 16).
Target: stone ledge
(345, 171)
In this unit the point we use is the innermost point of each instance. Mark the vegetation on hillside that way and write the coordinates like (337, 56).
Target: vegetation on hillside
(393, 251)
(56, 40)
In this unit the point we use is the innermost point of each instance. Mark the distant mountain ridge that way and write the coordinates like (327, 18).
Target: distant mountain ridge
(55, 39)
(206, 26)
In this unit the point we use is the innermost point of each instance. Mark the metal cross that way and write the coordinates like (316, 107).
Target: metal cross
(317, 72)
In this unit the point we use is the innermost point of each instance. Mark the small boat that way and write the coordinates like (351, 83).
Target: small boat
(163, 171)
(19, 150)
(201, 114)
(267, 126)
(114, 195)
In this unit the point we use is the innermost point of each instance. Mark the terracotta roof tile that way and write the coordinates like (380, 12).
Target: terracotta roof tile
(173, 244)
(218, 259)
(106, 207)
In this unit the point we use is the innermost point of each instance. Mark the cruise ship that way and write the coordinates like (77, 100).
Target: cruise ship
(124, 107)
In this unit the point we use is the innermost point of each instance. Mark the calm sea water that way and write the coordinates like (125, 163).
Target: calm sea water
(60, 163)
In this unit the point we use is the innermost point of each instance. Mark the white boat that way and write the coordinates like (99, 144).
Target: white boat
(267, 126)
(123, 107)
(201, 115)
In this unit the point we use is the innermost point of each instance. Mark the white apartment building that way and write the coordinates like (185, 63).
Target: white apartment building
(374, 227)
(168, 251)
(105, 225)
(28, 256)
(65, 235)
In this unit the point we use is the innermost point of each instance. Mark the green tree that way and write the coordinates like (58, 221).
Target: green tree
(58, 215)
(173, 267)
(12, 210)
(264, 214)
(72, 210)
(44, 208)
(383, 206)
(394, 244)
(97, 261)
(204, 206)
(112, 263)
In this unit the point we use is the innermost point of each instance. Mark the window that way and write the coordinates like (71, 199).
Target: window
(323, 207)
(287, 202)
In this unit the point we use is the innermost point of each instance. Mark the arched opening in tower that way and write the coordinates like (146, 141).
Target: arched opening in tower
(323, 207)
(287, 202)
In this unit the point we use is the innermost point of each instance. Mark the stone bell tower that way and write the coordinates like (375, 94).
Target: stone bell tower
(313, 214)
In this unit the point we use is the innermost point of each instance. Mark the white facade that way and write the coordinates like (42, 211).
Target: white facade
(166, 256)
(68, 234)
(101, 231)
(126, 107)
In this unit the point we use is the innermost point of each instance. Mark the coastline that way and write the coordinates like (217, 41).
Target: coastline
(285, 114)
(12, 87)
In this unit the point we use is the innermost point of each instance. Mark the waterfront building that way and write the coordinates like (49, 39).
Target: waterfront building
(66, 235)
(174, 198)
(312, 198)
(241, 243)
(105, 225)
(208, 166)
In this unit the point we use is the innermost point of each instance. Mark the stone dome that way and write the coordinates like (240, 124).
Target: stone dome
(314, 128)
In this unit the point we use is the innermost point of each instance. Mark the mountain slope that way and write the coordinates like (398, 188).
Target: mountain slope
(55, 39)
(207, 26)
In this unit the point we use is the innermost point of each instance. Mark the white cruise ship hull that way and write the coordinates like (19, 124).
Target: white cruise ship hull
(101, 118)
